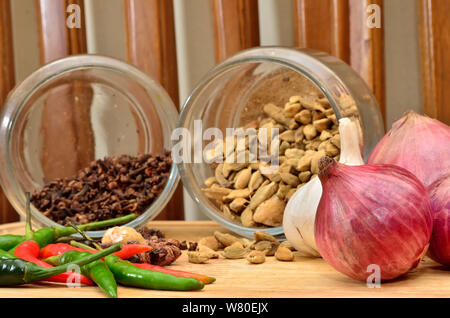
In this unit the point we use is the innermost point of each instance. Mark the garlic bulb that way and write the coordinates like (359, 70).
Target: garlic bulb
(300, 213)
(122, 234)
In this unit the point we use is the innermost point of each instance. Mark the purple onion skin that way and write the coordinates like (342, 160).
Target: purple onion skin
(372, 214)
(440, 206)
(419, 144)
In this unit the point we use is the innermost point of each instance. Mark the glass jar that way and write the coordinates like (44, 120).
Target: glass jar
(76, 110)
(233, 93)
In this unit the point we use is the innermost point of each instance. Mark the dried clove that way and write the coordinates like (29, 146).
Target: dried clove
(107, 188)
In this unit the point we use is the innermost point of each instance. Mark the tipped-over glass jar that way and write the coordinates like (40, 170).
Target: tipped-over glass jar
(301, 92)
(76, 110)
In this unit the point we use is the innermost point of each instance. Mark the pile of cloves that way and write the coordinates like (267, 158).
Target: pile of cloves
(107, 188)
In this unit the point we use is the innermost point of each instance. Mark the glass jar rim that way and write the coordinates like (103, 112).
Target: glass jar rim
(24, 90)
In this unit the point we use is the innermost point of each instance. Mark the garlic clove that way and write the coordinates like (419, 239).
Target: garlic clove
(349, 142)
(298, 223)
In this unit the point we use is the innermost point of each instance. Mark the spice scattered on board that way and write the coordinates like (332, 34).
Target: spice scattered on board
(233, 247)
(245, 192)
(108, 188)
(164, 251)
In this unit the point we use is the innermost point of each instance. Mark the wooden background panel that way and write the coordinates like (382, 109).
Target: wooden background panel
(56, 40)
(339, 27)
(236, 26)
(53, 39)
(7, 82)
(150, 34)
(367, 49)
(66, 124)
(323, 25)
(435, 42)
(77, 43)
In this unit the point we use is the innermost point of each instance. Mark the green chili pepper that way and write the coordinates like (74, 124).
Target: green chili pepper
(18, 272)
(8, 241)
(48, 235)
(97, 270)
(129, 275)
(6, 255)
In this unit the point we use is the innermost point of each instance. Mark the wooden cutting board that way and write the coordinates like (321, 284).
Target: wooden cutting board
(304, 277)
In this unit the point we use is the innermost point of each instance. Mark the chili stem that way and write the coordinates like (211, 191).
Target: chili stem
(82, 245)
(28, 228)
(66, 231)
(67, 239)
(85, 236)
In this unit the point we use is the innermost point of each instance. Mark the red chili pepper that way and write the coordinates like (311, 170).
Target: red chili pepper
(203, 278)
(29, 251)
(127, 250)
(58, 249)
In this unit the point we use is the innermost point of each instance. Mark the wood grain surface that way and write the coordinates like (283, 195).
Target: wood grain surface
(52, 33)
(68, 142)
(236, 26)
(7, 82)
(304, 277)
(435, 41)
(150, 34)
(323, 25)
(339, 27)
(367, 49)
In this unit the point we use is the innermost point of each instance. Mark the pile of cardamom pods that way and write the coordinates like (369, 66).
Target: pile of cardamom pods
(244, 191)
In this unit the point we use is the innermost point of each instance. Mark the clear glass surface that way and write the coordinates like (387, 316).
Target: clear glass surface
(76, 110)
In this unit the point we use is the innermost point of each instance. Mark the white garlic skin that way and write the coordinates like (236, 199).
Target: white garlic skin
(299, 217)
(122, 234)
(300, 213)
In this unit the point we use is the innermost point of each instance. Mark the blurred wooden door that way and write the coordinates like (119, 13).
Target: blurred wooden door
(339, 27)
(435, 44)
(7, 82)
(58, 41)
(336, 26)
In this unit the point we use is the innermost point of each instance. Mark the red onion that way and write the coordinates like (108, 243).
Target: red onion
(440, 205)
(372, 215)
(417, 143)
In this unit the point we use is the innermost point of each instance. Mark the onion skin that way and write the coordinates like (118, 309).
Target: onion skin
(417, 143)
(440, 205)
(372, 214)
